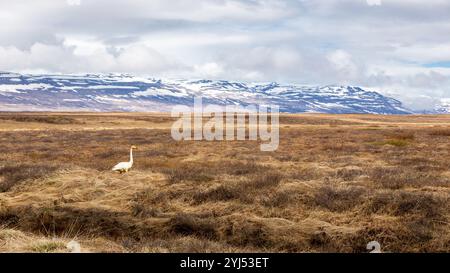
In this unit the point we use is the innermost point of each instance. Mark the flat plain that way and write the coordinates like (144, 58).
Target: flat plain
(335, 183)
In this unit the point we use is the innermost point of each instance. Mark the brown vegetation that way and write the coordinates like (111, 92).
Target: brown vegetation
(335, 183)
(40, 119)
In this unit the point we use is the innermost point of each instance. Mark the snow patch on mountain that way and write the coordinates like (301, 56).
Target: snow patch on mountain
(443, 106)
(111, 92)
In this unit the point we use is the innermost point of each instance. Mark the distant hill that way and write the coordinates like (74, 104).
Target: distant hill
(95, 92)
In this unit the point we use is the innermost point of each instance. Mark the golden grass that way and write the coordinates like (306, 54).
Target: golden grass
(40, 119)
(335, 183)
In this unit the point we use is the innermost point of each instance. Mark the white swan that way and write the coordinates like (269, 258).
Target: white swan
(374, 246)
(124, 167)
(74, 247)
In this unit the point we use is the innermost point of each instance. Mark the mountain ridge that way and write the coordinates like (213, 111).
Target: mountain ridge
(123, 92)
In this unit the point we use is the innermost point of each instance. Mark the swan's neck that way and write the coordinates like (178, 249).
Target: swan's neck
(131, 155)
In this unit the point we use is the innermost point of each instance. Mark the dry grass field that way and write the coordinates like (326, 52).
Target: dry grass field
(335, 183)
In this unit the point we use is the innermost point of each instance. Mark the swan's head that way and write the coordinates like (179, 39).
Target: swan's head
(133, 147)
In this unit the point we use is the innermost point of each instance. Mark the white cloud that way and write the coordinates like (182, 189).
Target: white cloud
(142, 59)
(138, 59)
(375, 43)
(343, 63)
(374, 2)
(73, 2)
(209, 70)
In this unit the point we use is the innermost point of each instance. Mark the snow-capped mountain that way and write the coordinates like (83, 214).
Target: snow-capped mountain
(94, 92)
(443, 107)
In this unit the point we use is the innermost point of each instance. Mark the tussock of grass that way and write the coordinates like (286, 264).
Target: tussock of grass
(248, 233)
(264, 180)
(349, 174)
(244, 191)
(221, 193)
(401, 177)
(242, 168)
(279, 199)
(143, 204)
(185, 224)
(306, 173)
(16, 174)
(440, 132)
(188, 173)
(408, 203)
(339, 199)
(46, 247)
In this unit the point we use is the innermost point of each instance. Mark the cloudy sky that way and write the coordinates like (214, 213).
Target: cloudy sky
(398, 47)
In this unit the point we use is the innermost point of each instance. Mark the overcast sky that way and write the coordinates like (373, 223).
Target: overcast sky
(398, 47)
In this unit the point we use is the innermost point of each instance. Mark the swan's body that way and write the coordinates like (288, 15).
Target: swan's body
(374, 246)
(124, 167)
(74, 247)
